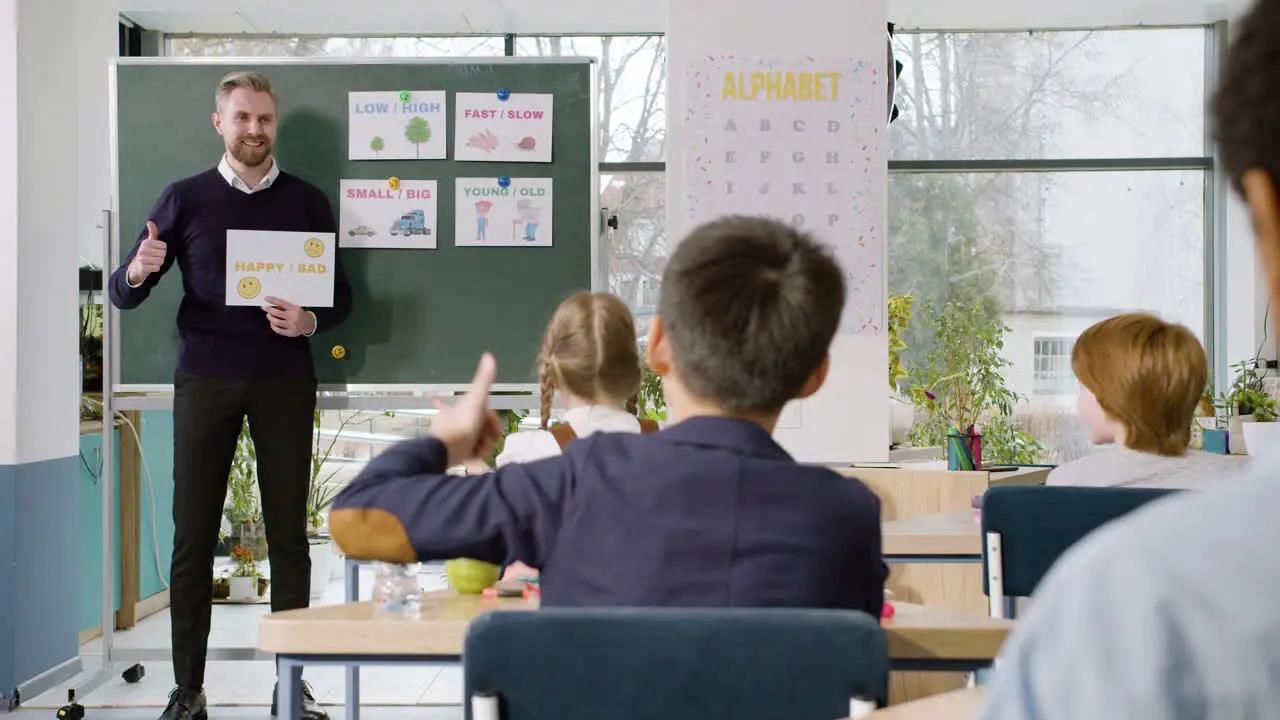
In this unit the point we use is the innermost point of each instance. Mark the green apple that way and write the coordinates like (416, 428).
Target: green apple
(470, 577)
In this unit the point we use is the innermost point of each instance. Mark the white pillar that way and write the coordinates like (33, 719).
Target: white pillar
(41, 51)
(848, 420)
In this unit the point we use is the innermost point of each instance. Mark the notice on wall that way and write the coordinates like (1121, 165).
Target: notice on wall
(489, 215)
(800, 139)
(491, 129)
(390, 213)
(292, 266)
(400, 125)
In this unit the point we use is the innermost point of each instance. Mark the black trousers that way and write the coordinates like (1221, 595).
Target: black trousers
(207, 416)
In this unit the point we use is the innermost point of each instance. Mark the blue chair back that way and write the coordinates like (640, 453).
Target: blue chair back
(673, 664)
(1026, 528)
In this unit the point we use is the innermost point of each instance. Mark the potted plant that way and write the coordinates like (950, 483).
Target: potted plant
(962, 388)
(243, 508)
(901, 412)
(1245, 405)
(246, 583)
(651, 403)
(320, 496)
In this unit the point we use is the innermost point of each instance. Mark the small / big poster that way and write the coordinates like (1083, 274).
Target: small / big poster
(387, 214)
(517, 129)
(404, 125)
(293, 266)
(490, 215)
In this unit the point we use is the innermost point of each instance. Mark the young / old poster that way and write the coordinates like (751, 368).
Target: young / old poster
(517, 129)
(293, 266)
(488, 214)
(400, 125)
(801, 139)
(387, 214)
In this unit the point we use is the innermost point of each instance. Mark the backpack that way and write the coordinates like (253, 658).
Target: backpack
(564, 434)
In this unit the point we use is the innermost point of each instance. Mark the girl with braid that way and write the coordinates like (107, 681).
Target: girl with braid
(589, 357)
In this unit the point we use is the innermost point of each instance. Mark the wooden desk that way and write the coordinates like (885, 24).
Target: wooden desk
(928, 488)
(958, 705)
(919, 638)
(935, 560)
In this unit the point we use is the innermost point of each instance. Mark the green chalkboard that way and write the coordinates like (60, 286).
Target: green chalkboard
(420, 317)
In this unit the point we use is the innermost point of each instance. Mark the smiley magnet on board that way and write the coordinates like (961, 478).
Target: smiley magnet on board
(503, 181)
(405, 96)
(338, 352)
(393, 183)
(503, 94)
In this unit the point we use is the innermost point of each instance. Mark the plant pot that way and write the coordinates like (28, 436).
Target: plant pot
(901, 415)
(221, 588)
(251, 535)
(1261, 435)
(1235, 434)
(321, 560)
(244, 589)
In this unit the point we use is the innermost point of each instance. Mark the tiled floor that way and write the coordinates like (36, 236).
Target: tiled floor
(234, 685)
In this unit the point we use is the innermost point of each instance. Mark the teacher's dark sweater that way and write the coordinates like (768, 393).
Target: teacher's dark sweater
(192, 217)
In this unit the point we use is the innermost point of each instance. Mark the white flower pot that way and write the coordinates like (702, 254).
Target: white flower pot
(243, 589)
(1260, 436)
(1235, 434)
(321, 560)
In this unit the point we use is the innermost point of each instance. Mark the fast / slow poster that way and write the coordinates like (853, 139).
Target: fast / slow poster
(490, 215)
(515, 129)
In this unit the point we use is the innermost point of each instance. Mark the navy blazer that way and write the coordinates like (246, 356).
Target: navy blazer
(708, 513)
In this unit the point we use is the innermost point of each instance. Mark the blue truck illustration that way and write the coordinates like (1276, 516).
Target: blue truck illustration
(413, 222)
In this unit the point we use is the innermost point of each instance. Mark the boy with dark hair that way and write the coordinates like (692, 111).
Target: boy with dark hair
(710, 512)
(1174, 611)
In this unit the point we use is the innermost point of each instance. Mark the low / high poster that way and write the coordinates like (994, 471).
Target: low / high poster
(400, 125)
(498, 127)
(387, 214)
(490, 215)
(800, 139)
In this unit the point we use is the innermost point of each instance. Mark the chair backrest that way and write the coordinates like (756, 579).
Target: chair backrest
(1036, 524)
(672, 664)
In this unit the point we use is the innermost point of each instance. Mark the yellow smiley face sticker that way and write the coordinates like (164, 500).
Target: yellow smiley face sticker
(249, 287)
(313, 247)
(393, 183)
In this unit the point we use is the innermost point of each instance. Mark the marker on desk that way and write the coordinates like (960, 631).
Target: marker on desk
(860, 707)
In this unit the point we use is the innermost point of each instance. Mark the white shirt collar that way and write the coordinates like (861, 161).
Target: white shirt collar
(600, 418)
(234, 180)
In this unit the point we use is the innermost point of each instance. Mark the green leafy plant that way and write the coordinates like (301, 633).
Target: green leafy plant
(651, 403)
(246, 563)
(509, 422)
(1247, 397)
(243, 509)
(961, 384)
(417, 131)
(899, 321)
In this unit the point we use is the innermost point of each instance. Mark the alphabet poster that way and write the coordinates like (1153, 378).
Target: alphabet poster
(799, 139)
(489, 129)
(400, 125)
(292, 266)
(390, 213)
(488, 215)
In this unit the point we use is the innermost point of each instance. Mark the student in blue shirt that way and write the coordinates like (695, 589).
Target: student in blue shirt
(709, 512)
(1173, 612)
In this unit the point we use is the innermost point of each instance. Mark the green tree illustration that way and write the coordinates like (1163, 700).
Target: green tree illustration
(377, 145)
(418, 131)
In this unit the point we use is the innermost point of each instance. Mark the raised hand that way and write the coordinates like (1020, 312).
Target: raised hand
(470, 429)
(150, 256)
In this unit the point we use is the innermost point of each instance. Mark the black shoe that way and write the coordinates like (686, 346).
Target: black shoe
(310, 708)
(185, 704)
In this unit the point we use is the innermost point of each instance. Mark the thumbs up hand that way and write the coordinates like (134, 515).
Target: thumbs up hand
(470, 429)
(150, 256)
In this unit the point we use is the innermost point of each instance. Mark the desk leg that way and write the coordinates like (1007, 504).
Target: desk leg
(289, 697)
(352, 580)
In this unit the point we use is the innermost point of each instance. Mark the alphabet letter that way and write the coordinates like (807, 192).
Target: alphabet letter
(797, 188)
(765, 126)
(832, 220)
(798, 157)
(798, 126)
(764, 189)
(764, 156)
(731, 156)
(731, 126)
(833, 126)
(833, 158)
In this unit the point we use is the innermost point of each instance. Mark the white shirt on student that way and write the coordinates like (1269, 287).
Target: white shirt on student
(530, 445)
(1118, 466)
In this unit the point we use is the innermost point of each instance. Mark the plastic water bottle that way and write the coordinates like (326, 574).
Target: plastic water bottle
(396, 592)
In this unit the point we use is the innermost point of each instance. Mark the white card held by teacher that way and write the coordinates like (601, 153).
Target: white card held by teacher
(293, 266)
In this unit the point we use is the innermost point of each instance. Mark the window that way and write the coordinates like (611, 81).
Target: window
(1052, 363)
(285, 46)
(1060, 177)
(635, 254)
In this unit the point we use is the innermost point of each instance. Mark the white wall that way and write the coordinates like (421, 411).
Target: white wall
(94, 36)
(8, 230)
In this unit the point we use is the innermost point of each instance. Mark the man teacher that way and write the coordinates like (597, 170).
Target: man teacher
(234, 363)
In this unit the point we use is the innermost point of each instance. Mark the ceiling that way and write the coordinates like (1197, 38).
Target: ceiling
(445, 17)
